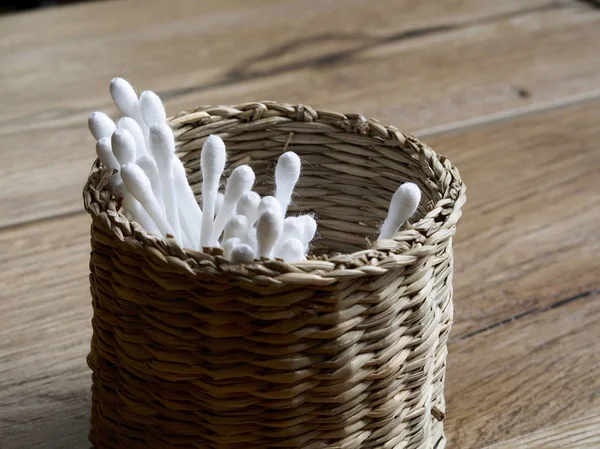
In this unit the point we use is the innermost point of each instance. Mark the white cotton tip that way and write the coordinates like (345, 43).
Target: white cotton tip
(242, 253)
(148, 164)
(269, 203)
(125, 98)
(212, 164)
(219, 203)
(268, 230)
(152, 108)
(123, 146)
(136, 131)
(251, 239)
(292, 228)
(287, 173)
(239, 182)
(403, 205)
(100, 125)
(248, 206)
(236, 227)
(290, 250)
(229, 245)
(105, 154)
(162, 143)
(309, 228)
(138, 184)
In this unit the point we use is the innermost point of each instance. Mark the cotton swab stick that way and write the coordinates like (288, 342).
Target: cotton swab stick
(291, 250)
(219, 203)
(248, 206)
(148, 164)
(239, 182)
(212, 162)
(162, 145)
(189, 210)
(138, 184)
(123, 146)
(131, 205)
(126, 99)
(268, 230)
(229, 245)
(100, 125)
(236, 227)
(105, 154)
(242, 253)
(404, 203)
(138, 135)
(287, 173)
(269, 203)
(152, 108)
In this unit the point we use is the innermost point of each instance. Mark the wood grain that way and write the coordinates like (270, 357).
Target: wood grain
(426, 65)
(576, 434)
(524, 349)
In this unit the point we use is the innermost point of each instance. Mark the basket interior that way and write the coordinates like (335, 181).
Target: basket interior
(347, 186)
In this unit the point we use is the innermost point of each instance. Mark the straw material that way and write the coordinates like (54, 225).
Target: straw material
(346, 350)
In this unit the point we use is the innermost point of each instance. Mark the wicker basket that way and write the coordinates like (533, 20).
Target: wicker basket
(345, 350)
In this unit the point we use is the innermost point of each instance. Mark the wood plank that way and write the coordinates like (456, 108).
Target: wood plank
(577, 434)
(438, 64)
(529, 236)
(45, 330)
(535, 372)
(517, 263)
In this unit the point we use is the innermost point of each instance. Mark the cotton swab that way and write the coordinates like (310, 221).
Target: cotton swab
(219, 203)
(138, 134)
(105, 154)
(126, 99)
(251, 239)
(148, 164)
(248, 206)
(100, 125)
(131, 205)
(291, 250)
(239, 182)
(268, 230)
(229, 245)
(189, 210)
(292, 228)
(404, 203)
(138, 184)
(212, 161)
(269, 203)
(123, 146)
(242, 253)
(152, 108)
(236, 227)
(309, 228)
(287, 173)
(162, 147)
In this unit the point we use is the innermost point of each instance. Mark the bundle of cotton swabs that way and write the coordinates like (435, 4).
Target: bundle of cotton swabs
(152, 184)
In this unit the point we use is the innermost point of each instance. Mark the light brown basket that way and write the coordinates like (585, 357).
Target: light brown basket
(345, 350)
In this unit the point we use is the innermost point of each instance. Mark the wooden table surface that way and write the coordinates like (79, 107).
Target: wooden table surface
(508, 90)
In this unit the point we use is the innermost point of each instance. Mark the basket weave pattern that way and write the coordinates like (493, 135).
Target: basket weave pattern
(345, 350)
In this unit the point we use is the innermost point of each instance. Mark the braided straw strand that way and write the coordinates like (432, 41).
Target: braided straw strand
(344, 350)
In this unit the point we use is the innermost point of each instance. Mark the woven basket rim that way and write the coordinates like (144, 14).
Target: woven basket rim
(381, 257)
